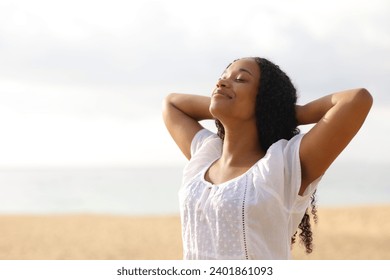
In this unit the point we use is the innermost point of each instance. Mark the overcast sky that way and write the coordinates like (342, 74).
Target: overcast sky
(82, 81)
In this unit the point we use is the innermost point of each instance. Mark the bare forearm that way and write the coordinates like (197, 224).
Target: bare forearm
(314, 111)
(194, 106)
(182, 113)
(337, 117)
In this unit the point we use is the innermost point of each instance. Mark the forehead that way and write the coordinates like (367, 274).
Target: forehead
(245, 65)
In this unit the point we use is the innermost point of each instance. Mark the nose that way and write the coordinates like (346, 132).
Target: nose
(221, 83)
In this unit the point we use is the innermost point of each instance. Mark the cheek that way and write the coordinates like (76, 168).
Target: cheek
(250, 97)
(249, 111)
(250, 104)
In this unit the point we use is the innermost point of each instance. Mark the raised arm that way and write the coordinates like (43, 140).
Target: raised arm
(338, 118)
(182, 113)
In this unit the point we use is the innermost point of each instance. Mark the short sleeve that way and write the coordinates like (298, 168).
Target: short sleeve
(199, 140)
(292, 166)
(293, 176)
(205, 148)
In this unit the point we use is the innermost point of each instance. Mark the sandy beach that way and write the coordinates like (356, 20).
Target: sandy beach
(342, 233)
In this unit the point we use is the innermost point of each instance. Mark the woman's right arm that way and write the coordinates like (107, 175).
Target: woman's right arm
(182, 113)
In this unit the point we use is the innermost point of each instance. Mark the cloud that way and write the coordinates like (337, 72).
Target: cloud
(103, 62)
(173, 42)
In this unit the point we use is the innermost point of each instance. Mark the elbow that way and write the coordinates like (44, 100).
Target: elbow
(364, 97)
(167, 103)
(169, 99)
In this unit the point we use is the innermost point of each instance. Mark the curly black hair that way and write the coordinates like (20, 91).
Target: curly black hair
(275, 120)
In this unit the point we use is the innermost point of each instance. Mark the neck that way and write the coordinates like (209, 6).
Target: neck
(241, 145)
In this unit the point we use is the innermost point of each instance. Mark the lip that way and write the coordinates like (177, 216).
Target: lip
(220, 92)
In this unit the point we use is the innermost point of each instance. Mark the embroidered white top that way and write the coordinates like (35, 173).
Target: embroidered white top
(252, 216)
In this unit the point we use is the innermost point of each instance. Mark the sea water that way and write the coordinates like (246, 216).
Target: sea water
(153, 190)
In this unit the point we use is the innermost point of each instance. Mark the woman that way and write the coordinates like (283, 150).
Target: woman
(246, 190)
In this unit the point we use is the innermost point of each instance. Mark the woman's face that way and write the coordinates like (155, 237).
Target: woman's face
(234, 96)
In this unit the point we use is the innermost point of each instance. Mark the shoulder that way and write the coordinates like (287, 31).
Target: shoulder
(202, 139)
(281, 159)
(279, 171)
(206, 147)
(285, 151)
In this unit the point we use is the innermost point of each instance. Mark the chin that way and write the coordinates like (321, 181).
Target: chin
(216, 109)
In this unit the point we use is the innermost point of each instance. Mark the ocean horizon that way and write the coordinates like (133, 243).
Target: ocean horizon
(153, 190)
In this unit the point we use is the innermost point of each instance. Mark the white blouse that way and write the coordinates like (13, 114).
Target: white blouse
(252, 216)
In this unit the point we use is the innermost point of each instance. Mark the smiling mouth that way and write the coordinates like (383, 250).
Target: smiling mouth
(222, 93)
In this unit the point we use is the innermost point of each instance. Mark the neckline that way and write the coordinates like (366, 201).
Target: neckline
(237, 178)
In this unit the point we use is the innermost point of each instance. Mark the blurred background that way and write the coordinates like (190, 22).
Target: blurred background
(81, 86)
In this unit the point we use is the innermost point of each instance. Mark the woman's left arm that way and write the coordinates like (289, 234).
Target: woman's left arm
(338, 118)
